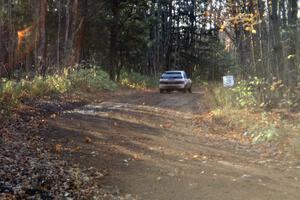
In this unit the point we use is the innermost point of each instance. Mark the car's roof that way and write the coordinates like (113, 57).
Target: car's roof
(174, 71)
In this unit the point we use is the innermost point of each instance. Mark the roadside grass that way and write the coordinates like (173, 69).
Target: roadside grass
(260, 112)
(69, 80)
(138, 81)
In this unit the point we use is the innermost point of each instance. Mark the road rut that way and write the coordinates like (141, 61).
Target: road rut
(147, 142)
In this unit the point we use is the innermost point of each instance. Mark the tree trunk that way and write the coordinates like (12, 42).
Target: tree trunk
(277, 58)
(58, 34)
(113, 39)
(40, 52)
(292, 57)
(67, 30)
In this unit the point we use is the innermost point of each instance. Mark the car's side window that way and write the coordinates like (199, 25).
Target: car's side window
(184, 76)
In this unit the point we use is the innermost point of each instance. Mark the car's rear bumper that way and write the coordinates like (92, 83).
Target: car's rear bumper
(172, 86)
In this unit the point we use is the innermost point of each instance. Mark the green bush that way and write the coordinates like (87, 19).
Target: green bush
(39, 87)
(248, 93)
(91, 79)
(9, 92)
(71, 79)
(138, 81)
(58, 84)
(223, 97)
(265, 134)
(237, 104)
(256, 93)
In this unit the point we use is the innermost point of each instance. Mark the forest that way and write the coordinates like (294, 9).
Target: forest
(83, 114)
(207, 38)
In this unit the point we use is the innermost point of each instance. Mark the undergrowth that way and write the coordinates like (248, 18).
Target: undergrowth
(138, 81)
(256, 93)
(257, 126)
(70, 79)
(257, 108)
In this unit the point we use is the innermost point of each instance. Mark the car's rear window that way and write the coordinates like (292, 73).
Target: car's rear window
(172, 76)
(175, 73)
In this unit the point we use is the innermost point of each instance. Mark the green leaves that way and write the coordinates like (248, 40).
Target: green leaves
(91, 79)
(266, 134)
(11, 91)
(246, 92)
(138, 81)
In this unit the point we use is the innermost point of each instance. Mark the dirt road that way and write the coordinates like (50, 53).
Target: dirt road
(148, 144)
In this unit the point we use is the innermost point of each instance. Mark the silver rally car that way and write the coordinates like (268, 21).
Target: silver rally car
(175, 80)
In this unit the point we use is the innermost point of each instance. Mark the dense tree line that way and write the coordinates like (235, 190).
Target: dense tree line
(266, 38)
(204, 37)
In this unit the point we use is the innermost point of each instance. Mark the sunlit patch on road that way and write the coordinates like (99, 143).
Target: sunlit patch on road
(165, 143)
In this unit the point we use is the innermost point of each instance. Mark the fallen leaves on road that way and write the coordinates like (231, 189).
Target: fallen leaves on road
(29, 167)
(88, 140)
(58, 148)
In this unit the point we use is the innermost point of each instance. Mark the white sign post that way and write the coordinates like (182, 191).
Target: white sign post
(228, 81)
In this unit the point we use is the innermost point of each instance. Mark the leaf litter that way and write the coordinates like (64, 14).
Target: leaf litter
(30, 169)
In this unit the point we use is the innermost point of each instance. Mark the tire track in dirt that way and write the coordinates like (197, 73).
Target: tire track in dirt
(147, 143)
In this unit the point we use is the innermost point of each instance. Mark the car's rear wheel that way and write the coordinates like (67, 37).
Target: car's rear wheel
(161, 91)
(190, 90)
